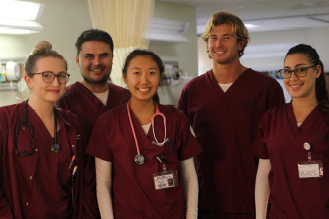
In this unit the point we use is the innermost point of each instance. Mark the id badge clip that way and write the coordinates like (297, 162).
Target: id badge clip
(166, 179)
(310, 168)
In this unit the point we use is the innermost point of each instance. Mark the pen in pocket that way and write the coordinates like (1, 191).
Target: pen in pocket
(73, 158)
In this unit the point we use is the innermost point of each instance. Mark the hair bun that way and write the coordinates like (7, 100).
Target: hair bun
(42, 45)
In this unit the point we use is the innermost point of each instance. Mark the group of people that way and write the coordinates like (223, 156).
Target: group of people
(232, 149)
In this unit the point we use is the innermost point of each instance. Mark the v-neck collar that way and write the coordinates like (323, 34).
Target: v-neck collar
(293, 122)
(221, 94)
(93, 98)
(140, 134)
(35, 119)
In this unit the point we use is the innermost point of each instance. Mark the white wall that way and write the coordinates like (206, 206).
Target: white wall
(316, 37)
(185, 53)
(63, 21)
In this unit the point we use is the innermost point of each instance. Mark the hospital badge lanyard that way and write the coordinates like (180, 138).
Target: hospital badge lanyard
(310, 168)
(165, 179)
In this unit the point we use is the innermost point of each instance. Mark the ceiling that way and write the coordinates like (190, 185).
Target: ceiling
(264, 15)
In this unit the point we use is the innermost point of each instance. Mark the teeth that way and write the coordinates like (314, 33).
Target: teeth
(145, 89)
(294, 86)
(219, 52)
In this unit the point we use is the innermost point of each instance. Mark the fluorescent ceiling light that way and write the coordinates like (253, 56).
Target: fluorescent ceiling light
(19, 17)
(20, 24)
(168, 31)
(250, 25)
(20, 10)
(4, 30)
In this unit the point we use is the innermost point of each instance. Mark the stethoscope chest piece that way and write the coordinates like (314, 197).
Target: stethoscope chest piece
(139, 159)
(55, 148)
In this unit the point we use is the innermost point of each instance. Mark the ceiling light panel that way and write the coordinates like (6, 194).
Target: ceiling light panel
(20, 10)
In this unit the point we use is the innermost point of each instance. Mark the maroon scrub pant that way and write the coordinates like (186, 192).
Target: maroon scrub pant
(214, 214)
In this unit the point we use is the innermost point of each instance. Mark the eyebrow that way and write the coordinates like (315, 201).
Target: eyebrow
(105, 53)
(295, 65)
(149, 68)
(226, 34)
(54, 73)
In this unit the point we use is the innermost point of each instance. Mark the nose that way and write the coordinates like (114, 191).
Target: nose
(218, 42)
(144, 79)
(55, 82)
(96, 60)
(293, 76)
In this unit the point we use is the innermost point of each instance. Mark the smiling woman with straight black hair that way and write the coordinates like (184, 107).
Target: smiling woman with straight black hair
(144, 151)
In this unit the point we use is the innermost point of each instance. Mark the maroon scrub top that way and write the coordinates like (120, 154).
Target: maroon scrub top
(40, 185)
(280, 140)
(82, 102)
(133, 185)
(225, 125)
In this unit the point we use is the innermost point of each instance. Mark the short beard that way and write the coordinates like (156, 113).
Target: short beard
(102, 81)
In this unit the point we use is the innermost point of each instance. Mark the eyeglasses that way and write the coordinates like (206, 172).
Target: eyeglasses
(49, 77)
(299, 72)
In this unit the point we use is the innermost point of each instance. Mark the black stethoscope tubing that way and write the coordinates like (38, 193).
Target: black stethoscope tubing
(55, 148)
(26, 153)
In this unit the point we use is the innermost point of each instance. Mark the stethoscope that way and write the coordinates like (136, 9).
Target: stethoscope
(140, 159)
(55, 148)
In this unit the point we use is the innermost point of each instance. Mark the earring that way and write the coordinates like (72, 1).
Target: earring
(317, 76)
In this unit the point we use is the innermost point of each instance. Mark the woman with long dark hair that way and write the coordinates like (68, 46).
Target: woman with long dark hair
(293, 144)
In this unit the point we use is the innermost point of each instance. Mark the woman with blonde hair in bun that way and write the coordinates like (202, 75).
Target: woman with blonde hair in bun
(41, 147)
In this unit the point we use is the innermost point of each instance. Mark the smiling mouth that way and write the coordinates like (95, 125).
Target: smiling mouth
(144, 89)
(54, 91)
(219, 53)
(97, 70)
(296, 86)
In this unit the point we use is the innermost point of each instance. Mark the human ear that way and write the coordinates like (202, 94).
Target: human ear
(124, 76)
(77, 60)
(241, 44)
(318, 71)
(28, 81)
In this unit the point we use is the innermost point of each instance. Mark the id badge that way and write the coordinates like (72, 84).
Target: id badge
(310, 169)
(166, 179)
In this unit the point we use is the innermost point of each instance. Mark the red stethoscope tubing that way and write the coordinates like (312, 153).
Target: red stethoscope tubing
(132, 128)
(157, 113)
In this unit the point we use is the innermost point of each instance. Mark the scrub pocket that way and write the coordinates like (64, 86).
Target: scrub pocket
(317, 212)
(121, 212)
(64, 174)
(177, 213)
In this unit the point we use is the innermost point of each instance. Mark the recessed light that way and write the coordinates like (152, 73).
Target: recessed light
(250, 25)
(4, 30)
(310, 4)
(20, 10)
